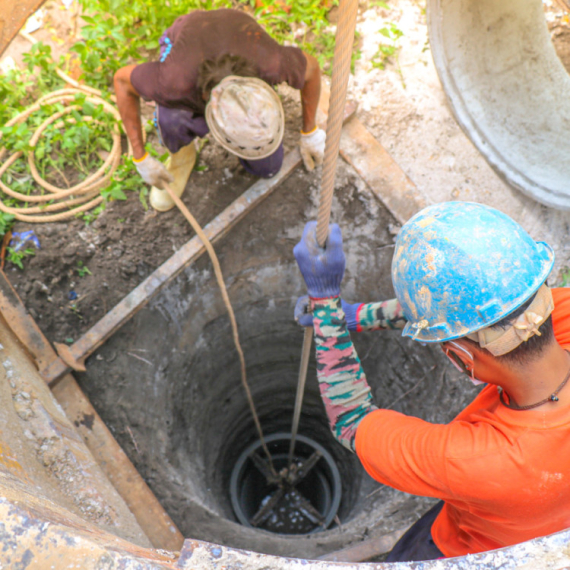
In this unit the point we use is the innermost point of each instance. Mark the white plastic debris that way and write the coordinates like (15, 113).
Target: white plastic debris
(34, 22)
(7, 64)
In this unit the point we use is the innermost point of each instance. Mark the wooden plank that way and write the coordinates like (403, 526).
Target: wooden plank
(367, 549)
(142, 502)
(381, 173)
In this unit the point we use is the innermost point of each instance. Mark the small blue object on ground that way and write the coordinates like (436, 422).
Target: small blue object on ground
(20, 239)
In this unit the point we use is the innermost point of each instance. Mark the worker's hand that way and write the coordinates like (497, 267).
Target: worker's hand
(322, 268)
(312, 148)
(304, 316)
(153, 172)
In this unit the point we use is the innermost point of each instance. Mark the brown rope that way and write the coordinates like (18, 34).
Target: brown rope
(220, 278)
(344, 40)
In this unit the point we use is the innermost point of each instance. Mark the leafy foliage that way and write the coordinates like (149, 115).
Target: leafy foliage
(17, 256)
(76, 141)
(82, 269)
(70, 149)
(129, 31)
(388, 48)
(6, 221)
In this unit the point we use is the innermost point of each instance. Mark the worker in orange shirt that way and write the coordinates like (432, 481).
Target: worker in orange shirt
(467, 277)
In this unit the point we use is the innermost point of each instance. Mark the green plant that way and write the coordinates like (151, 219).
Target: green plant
(17, 256)
(6, 222)
(75, 310)
(40, 57)
(69, 151)
(301, 22)
(92, 215)
(82, 269)
(390, 48)
(117, 32)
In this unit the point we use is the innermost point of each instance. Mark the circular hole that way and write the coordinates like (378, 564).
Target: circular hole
(302, 500)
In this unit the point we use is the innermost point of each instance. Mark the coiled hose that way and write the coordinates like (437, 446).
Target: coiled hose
(67, 202)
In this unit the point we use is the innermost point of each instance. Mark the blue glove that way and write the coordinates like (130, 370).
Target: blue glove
(305, 318)
(322, 268)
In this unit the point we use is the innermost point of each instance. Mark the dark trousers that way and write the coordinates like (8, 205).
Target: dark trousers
(417, 544)
(178, 128)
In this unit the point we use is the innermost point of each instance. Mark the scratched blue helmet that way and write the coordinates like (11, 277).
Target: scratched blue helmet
(459, 267)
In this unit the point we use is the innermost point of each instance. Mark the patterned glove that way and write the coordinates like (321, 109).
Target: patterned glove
(312, 146)
(322, 268)
(152, 171)
(304, 316)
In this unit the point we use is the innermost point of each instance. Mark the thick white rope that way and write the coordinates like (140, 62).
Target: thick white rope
(344, 40)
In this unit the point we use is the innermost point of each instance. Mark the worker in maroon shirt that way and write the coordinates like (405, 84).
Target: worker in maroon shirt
(216, 74)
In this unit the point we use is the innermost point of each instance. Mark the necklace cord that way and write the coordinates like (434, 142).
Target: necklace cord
(552, 398)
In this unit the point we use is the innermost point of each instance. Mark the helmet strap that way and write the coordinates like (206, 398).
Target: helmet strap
(501, 341)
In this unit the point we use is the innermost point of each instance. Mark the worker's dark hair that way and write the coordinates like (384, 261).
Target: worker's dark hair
(533, 347)
(212, 71)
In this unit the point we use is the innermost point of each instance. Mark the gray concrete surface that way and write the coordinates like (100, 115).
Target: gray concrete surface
(409, 115)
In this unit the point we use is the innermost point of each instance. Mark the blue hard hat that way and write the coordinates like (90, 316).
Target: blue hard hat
(459, 267)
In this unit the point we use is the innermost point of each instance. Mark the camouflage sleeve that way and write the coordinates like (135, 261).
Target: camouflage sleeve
(344, 389)
(377, 316)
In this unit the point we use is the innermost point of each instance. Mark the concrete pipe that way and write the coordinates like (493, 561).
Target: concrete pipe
(507, 89)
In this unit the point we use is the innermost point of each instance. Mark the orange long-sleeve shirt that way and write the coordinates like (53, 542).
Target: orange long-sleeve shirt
(504, 474)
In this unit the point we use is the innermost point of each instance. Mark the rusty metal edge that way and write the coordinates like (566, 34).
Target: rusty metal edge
(13, 15)
(149, 513)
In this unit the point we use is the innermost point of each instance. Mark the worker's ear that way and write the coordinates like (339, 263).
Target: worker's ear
(479, 354)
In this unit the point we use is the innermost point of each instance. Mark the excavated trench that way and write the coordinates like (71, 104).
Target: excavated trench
(168, 384)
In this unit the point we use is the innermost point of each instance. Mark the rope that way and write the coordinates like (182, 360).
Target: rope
(220, 278)
(344, 40)
(305, 354)
(79, 198)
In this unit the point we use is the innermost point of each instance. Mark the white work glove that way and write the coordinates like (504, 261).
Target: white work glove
(152, 171)
(312, 148)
